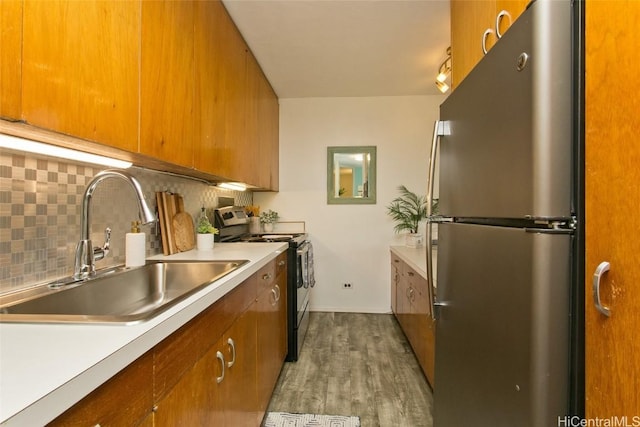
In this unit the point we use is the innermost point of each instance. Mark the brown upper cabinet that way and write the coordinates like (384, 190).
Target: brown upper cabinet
(221, 95)
(171, 80)
(469, 21)
(10, 58)
(166, 81)
(80, 71)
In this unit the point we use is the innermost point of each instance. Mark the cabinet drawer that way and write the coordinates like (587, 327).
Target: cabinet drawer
(267, 274)
(281, 263)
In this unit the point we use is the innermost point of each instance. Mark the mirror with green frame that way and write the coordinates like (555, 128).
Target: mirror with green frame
(351, 175)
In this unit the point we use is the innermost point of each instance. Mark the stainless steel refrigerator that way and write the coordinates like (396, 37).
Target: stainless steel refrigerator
(505, 241)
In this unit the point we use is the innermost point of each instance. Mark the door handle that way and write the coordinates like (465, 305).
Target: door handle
(220, 358)
(232, 345)
(597, 277)
(501, 15)
(440, 128)
(484, 40)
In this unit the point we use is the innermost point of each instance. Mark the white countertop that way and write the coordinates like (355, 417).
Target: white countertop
(46, 368)
(417, 258)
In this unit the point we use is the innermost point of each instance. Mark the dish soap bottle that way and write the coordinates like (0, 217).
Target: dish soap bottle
(135, 246)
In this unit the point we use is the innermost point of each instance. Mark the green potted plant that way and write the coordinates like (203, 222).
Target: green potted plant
(408, 210)
(267, 219)
(204, 232)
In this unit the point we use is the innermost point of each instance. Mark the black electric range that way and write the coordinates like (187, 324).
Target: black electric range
(233, 225)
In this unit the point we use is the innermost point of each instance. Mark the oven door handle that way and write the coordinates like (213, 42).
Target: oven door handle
(303, 249)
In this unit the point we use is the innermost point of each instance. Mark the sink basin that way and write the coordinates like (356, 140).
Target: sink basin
(120, 295)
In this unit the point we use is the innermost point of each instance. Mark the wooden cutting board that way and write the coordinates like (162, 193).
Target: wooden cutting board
(183, 228)
(163, 222)
(169, 212)
(183, 232)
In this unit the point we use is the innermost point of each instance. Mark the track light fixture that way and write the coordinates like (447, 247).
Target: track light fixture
(444, 72)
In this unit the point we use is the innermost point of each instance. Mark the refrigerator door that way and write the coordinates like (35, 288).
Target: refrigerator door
(502, 333)
(508, 144)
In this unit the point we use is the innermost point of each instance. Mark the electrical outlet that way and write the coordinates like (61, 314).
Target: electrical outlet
(347, 286)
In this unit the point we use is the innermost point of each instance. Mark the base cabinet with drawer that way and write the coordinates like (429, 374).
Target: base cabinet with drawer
(271, 306)
(219, 369)
(411, 306)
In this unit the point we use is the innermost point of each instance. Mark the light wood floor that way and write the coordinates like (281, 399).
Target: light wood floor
(356, 364)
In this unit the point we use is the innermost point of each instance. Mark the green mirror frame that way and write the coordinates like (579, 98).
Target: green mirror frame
(351, 175)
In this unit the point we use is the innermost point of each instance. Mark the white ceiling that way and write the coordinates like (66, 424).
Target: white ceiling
(335, 48)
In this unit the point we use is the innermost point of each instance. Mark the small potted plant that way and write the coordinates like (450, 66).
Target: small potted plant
(205, 232)
(408, 210)
(267, 219)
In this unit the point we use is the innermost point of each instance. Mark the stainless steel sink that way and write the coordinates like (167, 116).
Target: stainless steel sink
(119, 295)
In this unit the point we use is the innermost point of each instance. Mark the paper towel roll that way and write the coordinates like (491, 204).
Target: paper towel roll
(135, 249)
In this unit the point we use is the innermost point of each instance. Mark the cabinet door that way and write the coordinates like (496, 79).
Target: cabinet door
(212, 27)
(612, 356)
(404, 304)
(253, 163)
(80, 69)
(424, 344)
(396, 273)
(267, 126)
(238, 388)
(269, 120)
(193, 401)
(271, 306)
(469, 20)
(126, 399)
(167, 81)
(10, 58)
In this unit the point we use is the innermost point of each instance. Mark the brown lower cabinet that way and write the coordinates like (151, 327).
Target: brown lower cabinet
(272, 335)
(410, 304)
(219, 369)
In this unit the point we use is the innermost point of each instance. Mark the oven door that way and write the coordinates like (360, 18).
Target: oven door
(302, 280)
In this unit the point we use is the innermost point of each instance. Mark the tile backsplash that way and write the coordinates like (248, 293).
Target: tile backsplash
(40, 211)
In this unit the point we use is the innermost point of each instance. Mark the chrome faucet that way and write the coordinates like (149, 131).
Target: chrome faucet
(86, 254)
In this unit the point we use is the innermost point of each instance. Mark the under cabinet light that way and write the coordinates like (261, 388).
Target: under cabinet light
(20, 144)
(235, 186)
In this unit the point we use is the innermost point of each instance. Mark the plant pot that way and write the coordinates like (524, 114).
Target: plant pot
(413, 240)
(254, 225)
(204, 242)
(268, 227)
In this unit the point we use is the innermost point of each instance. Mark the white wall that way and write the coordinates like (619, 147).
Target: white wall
(351, 242)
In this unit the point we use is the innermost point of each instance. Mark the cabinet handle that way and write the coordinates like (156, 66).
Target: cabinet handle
(282, 263)
(597, 276)
(279, 293)
(233, 352)
(220, 357)
(275, 297)
(266, 276)
(501, 15)
(484, 39)
(410, 295)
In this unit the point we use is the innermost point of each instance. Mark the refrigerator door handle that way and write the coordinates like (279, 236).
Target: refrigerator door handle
(439, 129)
(597, 276)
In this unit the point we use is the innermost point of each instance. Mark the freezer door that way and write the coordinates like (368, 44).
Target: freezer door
(502, 332)
(508, 143)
